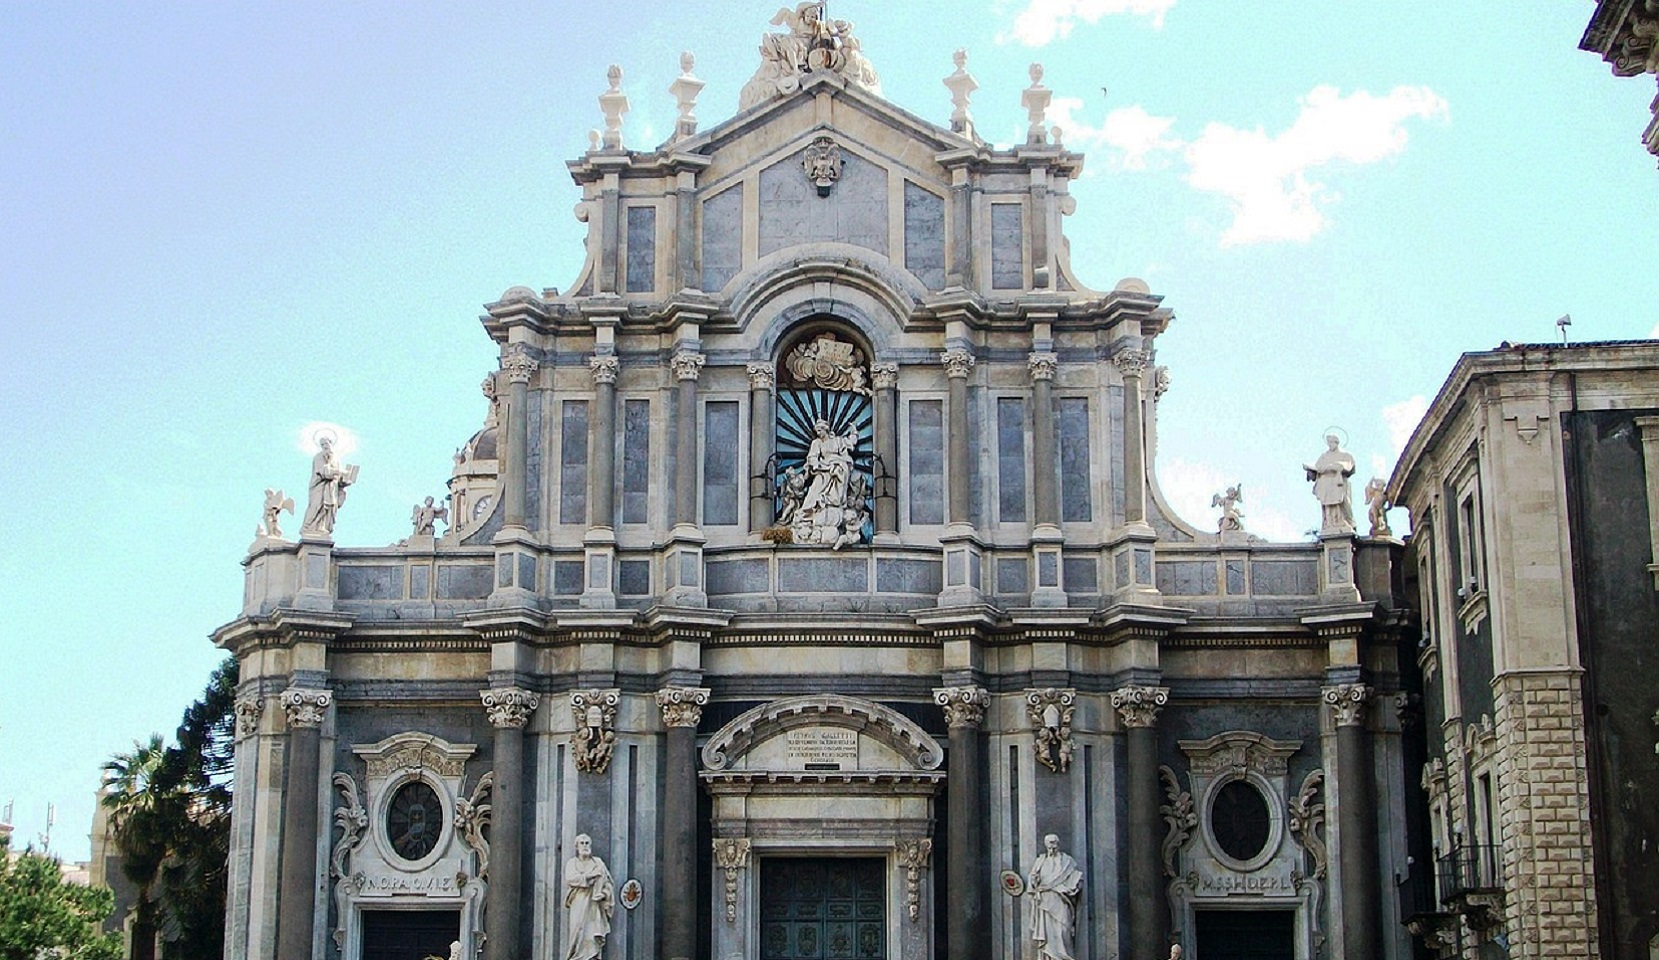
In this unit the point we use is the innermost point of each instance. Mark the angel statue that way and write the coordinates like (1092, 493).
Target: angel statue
(1232, 518)
(1376, 501)
(275, 503)
(425, 516)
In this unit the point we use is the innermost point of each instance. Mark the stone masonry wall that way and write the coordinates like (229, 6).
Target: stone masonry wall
(1544, 804)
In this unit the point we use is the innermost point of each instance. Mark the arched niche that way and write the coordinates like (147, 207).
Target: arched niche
(853, 734)
(824, 466)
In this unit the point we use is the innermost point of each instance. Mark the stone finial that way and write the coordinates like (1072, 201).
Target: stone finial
(962, 86)
(963, 706)
(1139, 706)
(685, 89)
(304, 707)
(957, 363)
(614, 103)
(595, 714)
(605, 368)
(509, 707)
(1347, 702)
(682, 706)
(1035, 100)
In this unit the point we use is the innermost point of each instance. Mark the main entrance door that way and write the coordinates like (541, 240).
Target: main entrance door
(823, 909)
(1246, 934)
(409, 934)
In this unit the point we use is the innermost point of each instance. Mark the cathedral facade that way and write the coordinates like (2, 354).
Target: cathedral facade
(807, 592)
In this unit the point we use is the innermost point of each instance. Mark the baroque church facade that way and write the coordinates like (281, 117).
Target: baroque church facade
(808, 592)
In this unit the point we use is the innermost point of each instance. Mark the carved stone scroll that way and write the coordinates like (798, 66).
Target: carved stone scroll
(595, 739)
(1181, 816)
(1050, 711)
(1139, 706)
(510, 706)
(472, 815)
(914, 856)
(306, 708)
(352, 821)
(732, 856)
(963, 706)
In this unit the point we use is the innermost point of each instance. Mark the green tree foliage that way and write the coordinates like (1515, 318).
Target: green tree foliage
(169, 812)
(41, 914)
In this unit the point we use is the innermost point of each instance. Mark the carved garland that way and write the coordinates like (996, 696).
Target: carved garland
(1180, 814)
(731, 855)
(914, 856)
(472, 815)
(352, 820)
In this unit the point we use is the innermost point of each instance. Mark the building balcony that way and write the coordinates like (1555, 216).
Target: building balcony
(1422, 913)
(1471, 882)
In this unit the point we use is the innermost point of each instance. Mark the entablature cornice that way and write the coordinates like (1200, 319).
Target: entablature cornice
(283, 628)
(1342, 621)
(512, 625)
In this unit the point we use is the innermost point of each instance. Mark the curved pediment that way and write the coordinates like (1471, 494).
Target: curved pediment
(826, 731)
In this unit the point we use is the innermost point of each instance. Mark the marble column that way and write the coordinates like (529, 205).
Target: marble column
(603, 480)
(305, 708)
(1045, 464)
(885, 378)
(1356, 794)
(958, 364)
(1148, 904)
(682, 711)
(519, 367)
(688, 367)
(968, 919)
(1132, 364)
(762, 381)
(509, 710)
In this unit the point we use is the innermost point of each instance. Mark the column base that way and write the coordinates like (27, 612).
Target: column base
(683, 569)
(316, 574)
(1050, 591)
(600, 554)
(1132, 555)
(1336, 568)
(964, 573)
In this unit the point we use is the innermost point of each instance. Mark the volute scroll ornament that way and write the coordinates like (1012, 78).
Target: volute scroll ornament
(248, 712)
(595, 739)
(518, 365)
(1050, 712)
(682, 706)
(957, 363)
(884, 376)
(963, 706)
(352, 820)
(306, 707)
(472, 816)
(1180, 815)
(687, 365)
(510, 707)
(1139, 706)
(1043, 365)
(1131, 363)
(1347, 702)
(605, 368)
(762, 376)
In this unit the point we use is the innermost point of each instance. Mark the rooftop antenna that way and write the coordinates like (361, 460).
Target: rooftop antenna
(51, 818)
(1562, 325)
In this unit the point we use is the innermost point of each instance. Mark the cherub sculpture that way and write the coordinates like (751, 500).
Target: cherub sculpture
(1232, 518)
(275, 503)
(1376, 501)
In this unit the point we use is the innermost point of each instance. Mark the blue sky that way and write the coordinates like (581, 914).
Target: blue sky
(222, 222)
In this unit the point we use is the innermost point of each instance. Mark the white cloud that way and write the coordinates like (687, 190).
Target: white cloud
(1044, 21)
(306, 437)
(1270, 179)
(1189, 487)
(1132, 138)
(1401, 419)
(1654, 333)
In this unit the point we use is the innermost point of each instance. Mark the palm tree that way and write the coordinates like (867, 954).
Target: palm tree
(137, 823)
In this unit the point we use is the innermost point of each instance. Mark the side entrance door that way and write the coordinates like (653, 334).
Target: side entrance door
(1246, 934)
(409, 934)
(823, 908)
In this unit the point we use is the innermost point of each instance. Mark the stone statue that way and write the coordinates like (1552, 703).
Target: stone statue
(1053, 886)
(455, 950)
(829, 364)
(425, 517)
(811, 43)
(1232, 518)
(1329, 475)
(589, 902)
(1175, 952)
(792, 488)
(275, 503)
(1376, 501)
(821, 515)
(329, 480)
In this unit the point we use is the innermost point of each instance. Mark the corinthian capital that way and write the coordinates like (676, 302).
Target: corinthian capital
(884, 375)
(518, 365)
(687, 365)
(604, 368)
(1139, 706)
(1347, 702)
(510, 707)
(248, 712)
(762, 376)
(1043, 365)
(306, 707)
(958, 363)
(682, 706)
(1130, 363)
(964, 706)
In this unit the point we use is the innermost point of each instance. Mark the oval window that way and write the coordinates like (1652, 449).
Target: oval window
(1240, 821)
(414, 821)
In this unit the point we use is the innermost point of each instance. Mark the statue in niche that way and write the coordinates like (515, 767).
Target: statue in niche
(425, 518)
(825, 509)
(1376, 502)
(829, 363)
(1232, 518)
(329, 480)
(589, 902)
(275, 504)
(792, 489)
(1329, 475)
(1053, 885)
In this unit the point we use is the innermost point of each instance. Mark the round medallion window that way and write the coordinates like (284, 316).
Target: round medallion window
(414, 820)
(1240, 821)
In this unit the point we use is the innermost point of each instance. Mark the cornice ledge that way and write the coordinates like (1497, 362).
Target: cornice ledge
(517, 623)
(1123, 616)
(665, 618)
(980, 616)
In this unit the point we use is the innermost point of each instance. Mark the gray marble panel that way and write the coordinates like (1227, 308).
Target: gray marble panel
(1284, 578)
(924, 235)
(1048, 569)
(737, 576)
(1013, 575)
(636, 461)
(527, 571)
(1082, 575)
(371, 583)
(976, 571)
(792, 213)
(722, 238)
(634, 578)
(1120, 568)
(642, 249)
(1235, 577)
(908, 576)
(573, 462)
(1187, 578)
(720, 485)
(1007, 247)
(1011, 459)
(504, 570)
(469, 581)
(822, 575)
(927, 461)
(1075, 501)
(420, 582)
(535, 412)
(316, 571)
(567, 578)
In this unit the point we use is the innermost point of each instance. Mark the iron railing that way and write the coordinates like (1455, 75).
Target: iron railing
(1471, 869)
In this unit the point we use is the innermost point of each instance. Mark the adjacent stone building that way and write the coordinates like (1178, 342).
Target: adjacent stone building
(1533, 486)
(809, 570)
(1625, 33)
